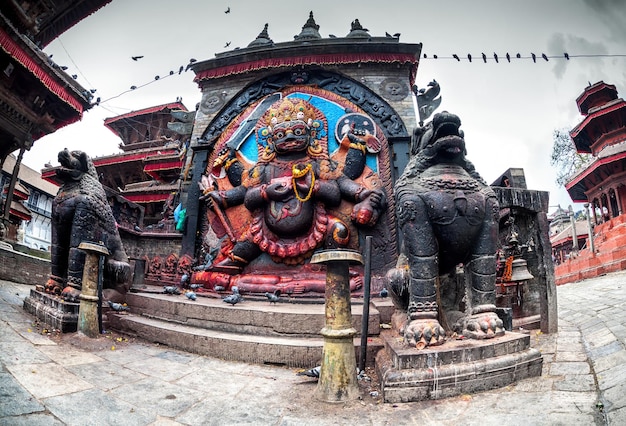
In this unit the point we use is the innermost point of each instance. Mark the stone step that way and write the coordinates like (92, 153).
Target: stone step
(254, 317)
(291, 351)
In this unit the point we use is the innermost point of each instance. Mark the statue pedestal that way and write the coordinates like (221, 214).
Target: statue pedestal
(52, 311)
(456, 367)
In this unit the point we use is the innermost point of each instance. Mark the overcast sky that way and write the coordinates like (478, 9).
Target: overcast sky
(508, 110)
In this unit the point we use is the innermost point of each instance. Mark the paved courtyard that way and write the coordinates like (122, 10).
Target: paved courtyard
(47, 379)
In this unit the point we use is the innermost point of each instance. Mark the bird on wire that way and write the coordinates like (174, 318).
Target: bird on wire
(227, 10)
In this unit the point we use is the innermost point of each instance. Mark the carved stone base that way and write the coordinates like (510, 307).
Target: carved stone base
(457, 367)
(52, 311)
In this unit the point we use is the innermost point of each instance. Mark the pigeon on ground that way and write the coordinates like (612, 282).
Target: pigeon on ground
(117, 307)
(219, 288)
(195, 286)
(273, 297)
(234, 298)
(191, 295)
(184, 279)
(312, 372)
(171, 289)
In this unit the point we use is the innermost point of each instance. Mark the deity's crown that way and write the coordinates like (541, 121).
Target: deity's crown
(290, 109)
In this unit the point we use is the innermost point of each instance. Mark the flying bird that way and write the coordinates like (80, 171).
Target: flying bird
(171, 289)
(136, 58)
(227, 44)
(117, 307)
(233, 298)
(273, 297)
(312, 372)
(227, 10)
(191, 295)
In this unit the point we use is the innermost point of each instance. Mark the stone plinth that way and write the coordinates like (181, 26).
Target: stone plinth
(457, 367)
(52, 311)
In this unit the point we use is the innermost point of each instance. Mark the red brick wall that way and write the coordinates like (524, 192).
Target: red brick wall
(22, 268)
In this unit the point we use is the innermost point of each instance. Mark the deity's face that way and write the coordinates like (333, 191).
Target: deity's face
(291, 136)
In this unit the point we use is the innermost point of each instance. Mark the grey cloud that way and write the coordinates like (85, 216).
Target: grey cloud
(574, 45)
(612, 13)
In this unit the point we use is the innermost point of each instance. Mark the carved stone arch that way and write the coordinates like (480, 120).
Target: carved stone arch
(369, 101)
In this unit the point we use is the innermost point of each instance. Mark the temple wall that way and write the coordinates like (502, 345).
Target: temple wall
(150, 245)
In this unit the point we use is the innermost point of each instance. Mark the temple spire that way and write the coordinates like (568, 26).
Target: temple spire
(357, 30)
(262, 39)
(309, 30)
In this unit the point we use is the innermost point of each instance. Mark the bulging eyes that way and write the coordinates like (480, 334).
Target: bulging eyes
(298, 131)
(279, 134)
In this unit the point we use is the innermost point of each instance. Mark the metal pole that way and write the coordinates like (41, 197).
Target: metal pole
(365, 318)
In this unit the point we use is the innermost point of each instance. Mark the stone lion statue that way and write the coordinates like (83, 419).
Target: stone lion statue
(81, 213)
(448, 216)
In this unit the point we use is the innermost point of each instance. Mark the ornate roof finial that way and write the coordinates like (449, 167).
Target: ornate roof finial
(262, 39)
(309, 30)
(357, 30)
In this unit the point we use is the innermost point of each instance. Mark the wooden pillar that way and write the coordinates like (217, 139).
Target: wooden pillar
(16, 170)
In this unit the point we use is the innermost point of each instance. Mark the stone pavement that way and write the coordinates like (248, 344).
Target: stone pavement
(47, 379)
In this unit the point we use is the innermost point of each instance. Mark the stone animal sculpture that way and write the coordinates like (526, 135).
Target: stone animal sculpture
(81, 213)
(448, 216)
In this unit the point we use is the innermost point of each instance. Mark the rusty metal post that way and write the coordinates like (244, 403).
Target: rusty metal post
(365, 318)
(338, 377)
(88, 321)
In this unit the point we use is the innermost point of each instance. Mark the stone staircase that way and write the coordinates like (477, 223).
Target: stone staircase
(609, 256)
(255, 331)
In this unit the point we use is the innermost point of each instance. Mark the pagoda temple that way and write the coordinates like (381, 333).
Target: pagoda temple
(601, 185)
(153, 147)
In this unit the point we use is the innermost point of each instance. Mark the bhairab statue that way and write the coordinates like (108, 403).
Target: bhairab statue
(81, 213)
(448, 216)
(287, 200)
